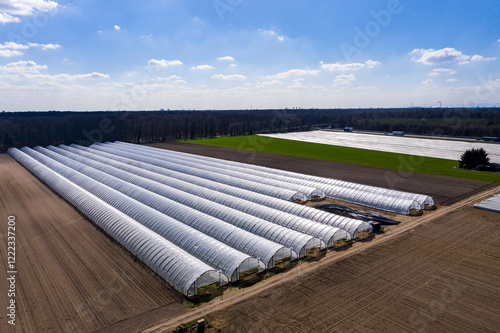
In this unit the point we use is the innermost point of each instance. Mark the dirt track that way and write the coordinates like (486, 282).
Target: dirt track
(71, 277)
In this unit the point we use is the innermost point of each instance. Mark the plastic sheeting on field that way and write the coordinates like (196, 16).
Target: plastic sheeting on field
(214, 253)
(286, 176)
(392, 201)
(162, 175)
(203, 209)
(491, 204)
(310, 192)
(181, 270)
(194, 196)
(426, 147)
(273, 191)
(249, 243)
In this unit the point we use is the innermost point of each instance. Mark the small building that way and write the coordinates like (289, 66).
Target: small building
(348, 129)
(400, 133)
(490, 139)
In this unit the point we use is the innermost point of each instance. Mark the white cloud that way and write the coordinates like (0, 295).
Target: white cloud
(117, 27)
(426, 82)
(202, 67)
(439, 71)
(13, 46)
(269, 83)
(22, 67)
(372, 63)
(272, 33)
(344, 79)
(50, 46)
(229, 77)
(124, 84)
(169, 78)
(298, 84)
(45, 46)
(8, 8)
(164, 63)
(93, 75)
(6, 18)
(11, 49)
(226, 58)
(338, 67)
(438, 57)
(452, 80)
(63, 77)
(342, 67)
(233, 65)
(10, 53)
(294, 72)
(477, 58)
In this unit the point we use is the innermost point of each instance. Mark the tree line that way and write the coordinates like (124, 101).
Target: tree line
(18, 129)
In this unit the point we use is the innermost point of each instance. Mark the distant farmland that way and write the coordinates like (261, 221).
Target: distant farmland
(357, 156)
(420, 146)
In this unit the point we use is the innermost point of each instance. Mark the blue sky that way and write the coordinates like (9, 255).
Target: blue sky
(219, 54)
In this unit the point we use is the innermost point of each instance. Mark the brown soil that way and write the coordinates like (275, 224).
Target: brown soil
(70, 276)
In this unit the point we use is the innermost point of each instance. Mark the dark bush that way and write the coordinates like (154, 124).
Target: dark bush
(472, 158)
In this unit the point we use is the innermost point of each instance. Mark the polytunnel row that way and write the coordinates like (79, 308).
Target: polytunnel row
(181, 270)
(371, 196)
(225, 232)
(201, 198)
(424, 200)
(219, 222)
(207, 249)
(216, 174)
(160, 172)
(272, 191)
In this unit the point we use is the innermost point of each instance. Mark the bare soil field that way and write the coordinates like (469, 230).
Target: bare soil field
(444, 190)
(70, 276)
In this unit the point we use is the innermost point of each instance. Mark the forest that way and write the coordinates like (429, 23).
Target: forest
(18, 129)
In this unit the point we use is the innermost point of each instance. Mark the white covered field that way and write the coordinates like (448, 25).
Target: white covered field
(446, 149)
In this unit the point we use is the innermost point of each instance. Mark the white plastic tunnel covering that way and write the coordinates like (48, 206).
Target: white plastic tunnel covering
(384, 199)
(310, 192)
(214, 253)
(424, 201)
(180, 269)
(187, 204)
(224, 179)
(373, 200)
(177, 188)
(379, 200)
(157, 174)
(239, 239)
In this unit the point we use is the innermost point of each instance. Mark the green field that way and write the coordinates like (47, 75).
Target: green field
(403, 162)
